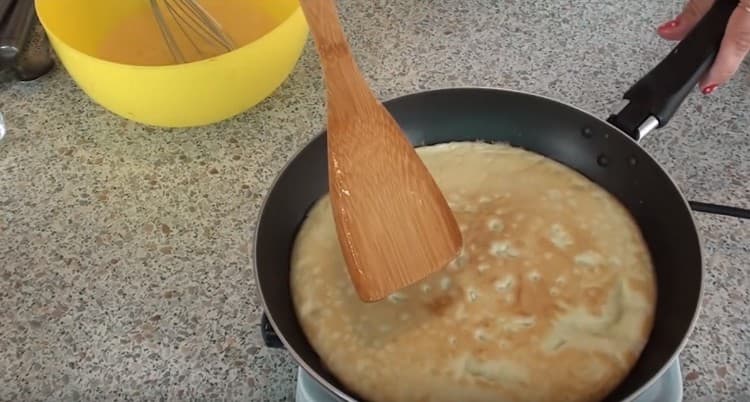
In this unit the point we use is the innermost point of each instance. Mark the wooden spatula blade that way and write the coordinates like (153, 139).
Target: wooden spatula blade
(394, 225)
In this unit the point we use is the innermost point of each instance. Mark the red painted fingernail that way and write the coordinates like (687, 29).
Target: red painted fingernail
(709, 89)
(669, 25)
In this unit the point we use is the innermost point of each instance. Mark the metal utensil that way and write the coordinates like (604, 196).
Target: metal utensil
(5, 6)
(2, 126)
(24, 55)
(36, 58)
(189, 19)
(15, 26)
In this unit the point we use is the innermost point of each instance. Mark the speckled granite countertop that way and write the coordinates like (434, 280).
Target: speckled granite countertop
(124, 250)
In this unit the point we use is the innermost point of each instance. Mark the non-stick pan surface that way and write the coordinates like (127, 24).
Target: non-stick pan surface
(603, 152)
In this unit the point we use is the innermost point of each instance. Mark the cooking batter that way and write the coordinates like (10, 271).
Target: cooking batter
(551, 299)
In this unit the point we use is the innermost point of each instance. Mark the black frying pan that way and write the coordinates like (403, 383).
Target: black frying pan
(605, 152)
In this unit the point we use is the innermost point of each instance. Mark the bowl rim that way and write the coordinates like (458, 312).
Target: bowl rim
(296, 12)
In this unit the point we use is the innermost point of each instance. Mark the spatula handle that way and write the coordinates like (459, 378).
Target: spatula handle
(344, 82)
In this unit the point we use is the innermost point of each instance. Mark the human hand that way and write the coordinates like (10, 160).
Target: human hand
(734, 47)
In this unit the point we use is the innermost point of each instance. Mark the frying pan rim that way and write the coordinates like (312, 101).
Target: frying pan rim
(338, 392)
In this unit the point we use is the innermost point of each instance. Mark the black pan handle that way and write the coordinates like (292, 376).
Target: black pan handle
(269, 335)
(653, 100)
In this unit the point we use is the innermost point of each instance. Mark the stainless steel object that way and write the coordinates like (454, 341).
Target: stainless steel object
(650, 124)
(2, 126)
(15, 26)
(667, 389)
(25, 55)
(5, 5)
(190, 19)
(36, 59)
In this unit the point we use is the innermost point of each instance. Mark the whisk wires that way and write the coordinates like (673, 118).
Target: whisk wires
(193, 22)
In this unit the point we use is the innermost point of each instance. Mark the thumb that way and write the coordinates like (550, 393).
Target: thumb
(734, 47)
(679, 27)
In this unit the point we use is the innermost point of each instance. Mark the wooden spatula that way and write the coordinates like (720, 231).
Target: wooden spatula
(393, 223)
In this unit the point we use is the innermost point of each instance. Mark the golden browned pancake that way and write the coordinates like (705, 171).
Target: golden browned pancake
(552, 298)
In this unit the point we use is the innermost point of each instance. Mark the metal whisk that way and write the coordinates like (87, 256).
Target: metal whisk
(192, 21)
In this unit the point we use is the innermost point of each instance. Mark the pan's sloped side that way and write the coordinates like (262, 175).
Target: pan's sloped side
(563, 133)
(300, 184)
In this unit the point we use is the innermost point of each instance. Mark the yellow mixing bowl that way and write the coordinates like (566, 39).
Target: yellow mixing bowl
(180, 95)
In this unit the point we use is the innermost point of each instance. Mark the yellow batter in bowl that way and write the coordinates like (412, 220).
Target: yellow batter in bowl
(87, 35)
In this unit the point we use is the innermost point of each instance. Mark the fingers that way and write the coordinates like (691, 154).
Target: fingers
(679, 27)
(734, 47)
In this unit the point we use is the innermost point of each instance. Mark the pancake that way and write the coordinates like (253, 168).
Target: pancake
(551, 299)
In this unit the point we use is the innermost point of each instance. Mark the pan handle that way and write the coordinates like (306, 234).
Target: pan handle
(652, 101)
(269, 335)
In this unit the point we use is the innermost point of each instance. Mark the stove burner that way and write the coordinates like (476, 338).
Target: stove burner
(667, 389)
